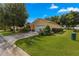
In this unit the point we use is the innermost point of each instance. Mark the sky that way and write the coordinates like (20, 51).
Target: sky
(43, 10)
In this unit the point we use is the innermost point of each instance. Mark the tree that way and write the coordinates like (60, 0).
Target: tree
(18, 16)
(3, 19)
(70, 19)
(28, 27)
(63, 20)
(13, 15)
(54, 19)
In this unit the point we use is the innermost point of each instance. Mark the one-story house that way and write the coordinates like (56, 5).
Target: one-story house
(42, 23)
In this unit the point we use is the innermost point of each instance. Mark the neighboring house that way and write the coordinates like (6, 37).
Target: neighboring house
(42, 23)
(17, 28)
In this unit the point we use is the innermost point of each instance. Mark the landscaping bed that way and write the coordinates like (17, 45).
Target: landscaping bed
(59, 44)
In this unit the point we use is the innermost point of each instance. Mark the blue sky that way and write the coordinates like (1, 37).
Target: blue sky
(42, 10)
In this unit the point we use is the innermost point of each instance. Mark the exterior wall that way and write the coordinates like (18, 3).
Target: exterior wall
(38, 27)
(32, 26)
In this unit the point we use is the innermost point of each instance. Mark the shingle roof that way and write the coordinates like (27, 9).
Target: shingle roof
(46, 22)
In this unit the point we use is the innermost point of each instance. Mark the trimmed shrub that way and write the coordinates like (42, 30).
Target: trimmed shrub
(45, 31)
(25, 30)
(41, 32)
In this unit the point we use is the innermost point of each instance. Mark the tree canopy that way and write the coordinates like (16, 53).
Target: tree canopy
(69, 19)
(13, 14)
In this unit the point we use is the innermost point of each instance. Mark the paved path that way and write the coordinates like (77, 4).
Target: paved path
(13, 38)
(7, 47)
(11, 50)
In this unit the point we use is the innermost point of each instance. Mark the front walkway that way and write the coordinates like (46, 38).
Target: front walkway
(8, 48)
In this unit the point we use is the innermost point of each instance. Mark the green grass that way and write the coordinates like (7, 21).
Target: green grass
(54, 45)
(6, 33)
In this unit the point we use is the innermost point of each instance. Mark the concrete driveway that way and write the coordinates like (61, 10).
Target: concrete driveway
(8, 48)
(12, 38)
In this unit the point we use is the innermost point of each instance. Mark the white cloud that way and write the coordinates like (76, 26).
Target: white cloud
(62, 10)
(53, 6)
(73, 9)
(69, 9)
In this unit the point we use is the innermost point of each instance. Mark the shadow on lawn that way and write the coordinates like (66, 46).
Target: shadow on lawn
(32, 40)
(76, 40)
(61, 32)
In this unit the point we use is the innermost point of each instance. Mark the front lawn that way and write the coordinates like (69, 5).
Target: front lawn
(55, 45)
(6, 33)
